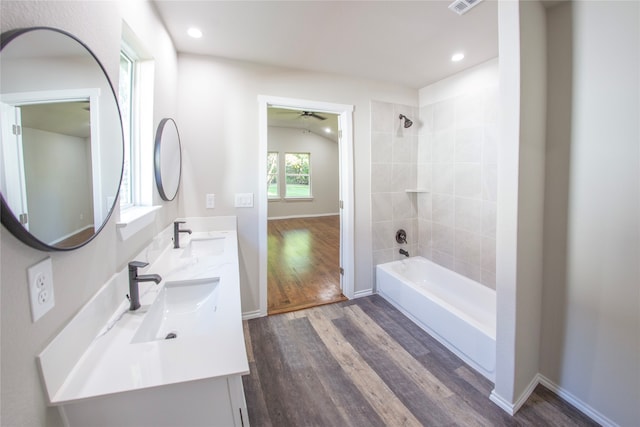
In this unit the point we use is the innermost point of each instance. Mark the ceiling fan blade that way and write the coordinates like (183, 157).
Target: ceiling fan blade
(312, 114)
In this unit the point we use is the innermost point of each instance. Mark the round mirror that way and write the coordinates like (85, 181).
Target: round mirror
(167, 159)
(61, 150)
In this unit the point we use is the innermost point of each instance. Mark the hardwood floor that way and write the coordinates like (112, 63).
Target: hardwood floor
(76, 239)
(303, 263)
(362, 363)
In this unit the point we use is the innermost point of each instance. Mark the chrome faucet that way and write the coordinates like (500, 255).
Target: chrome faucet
(405, 253)
(176, 233)
(134, 278)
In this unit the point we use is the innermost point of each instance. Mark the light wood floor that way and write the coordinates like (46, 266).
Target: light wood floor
(303, 263)
(362, 363)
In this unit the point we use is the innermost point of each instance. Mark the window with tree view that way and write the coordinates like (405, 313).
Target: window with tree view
(297, 175)
(272, 175)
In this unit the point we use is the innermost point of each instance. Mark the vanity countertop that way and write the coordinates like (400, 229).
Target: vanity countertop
(113, 364)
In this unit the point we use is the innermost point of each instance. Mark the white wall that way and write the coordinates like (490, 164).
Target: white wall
(61, 207)
(591, 325)
(520, 200)
(219, 131)
(325, 178)
(77, 274)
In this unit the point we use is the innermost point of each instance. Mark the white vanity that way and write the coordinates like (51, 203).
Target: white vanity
(178, 360)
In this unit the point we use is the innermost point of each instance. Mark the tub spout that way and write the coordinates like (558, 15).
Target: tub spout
(405, 253)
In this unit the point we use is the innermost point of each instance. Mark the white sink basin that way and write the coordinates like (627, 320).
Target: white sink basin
(200, 247)
(183, 308)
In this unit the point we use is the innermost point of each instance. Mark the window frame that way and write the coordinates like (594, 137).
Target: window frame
(141, 128)
(308, 175)
(276, 174)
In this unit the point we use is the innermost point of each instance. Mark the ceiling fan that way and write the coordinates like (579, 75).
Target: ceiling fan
(312, 114)
(304, 114)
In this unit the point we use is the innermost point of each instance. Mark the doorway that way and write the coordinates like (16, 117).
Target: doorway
(309, 233)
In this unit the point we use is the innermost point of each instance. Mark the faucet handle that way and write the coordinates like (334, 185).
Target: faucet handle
(138, 264)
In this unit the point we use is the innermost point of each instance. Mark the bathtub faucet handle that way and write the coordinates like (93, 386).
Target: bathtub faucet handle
(401, 236)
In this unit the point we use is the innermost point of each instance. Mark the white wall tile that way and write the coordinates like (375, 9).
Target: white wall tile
(489, 218)
(469, 144)
(381, 147)
(443, 147)
(426, 119)
(468, 214)
(402, 206)
(442, 178)
(443, 238)
(490, 145)
(381, 175)
(490, 182)
(383, 235)
(403, 149)
(401, 177)
(443, 115)
(468, 247)
(445, 260)
(468, 180)
(488, 254)
(381, 207)
(469, 110)
(443, 209)
(471, 271)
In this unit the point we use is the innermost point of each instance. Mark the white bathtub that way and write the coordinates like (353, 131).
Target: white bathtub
(455, 310)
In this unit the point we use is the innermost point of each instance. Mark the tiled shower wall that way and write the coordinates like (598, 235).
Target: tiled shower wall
(393, 170)
(451, 152)
(457, 161)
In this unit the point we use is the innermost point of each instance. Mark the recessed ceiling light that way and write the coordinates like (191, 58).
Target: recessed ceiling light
(327, 130)
(457, 57)
(194, 32)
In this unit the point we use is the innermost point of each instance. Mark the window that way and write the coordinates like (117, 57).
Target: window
(272, 175)
(135, 96)
(297, 175)
(125, 98)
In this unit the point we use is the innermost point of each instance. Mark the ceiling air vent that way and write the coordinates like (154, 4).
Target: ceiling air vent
(463, 6)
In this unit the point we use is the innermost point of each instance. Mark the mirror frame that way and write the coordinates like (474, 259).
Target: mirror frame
(157, 160)
(7, 216)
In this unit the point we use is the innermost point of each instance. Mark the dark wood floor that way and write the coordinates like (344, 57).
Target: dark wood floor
(303, 263)
(362, 363)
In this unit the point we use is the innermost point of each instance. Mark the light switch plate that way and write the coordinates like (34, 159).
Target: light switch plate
(244, 200)
(211, 201)
(40, 277)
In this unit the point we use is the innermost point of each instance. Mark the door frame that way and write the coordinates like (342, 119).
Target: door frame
(345, 142)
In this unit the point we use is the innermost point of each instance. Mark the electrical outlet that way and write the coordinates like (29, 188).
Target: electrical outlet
(40, 277)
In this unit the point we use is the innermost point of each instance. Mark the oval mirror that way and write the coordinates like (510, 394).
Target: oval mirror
(167, 159)
(61, 150)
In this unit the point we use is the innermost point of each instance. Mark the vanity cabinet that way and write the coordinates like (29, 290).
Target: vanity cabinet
(178, 360)
(215, 402)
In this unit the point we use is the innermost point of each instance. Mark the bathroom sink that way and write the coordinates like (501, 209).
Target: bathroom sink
(183, 308)
(200, 247)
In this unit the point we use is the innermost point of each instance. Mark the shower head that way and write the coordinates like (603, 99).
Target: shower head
(407, 121)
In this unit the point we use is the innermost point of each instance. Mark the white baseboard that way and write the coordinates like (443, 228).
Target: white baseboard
(504, 404)
(303, 216)
(512, 408)
(577, 403)
(252, 315)
(364, 293)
